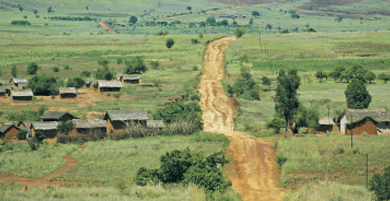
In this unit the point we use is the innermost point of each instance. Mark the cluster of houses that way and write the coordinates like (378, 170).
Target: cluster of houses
(113, 121)
(17, 88)
(357, 122)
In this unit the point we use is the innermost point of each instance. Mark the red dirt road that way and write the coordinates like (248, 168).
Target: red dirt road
(45, 181)
(105, 27)
(254, 169)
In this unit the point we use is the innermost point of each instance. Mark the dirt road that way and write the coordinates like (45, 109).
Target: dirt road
(105, 27)
(45, 181)
(254, 167)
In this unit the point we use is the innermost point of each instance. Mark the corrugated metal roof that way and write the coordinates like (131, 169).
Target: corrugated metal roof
(155, 124)
(130, 77)
(44, 125)
(56, 115)
(19, 80)
(68, 90)
(325, 121)
(109, 84)
(90, 123)
(22, 93)
(125, 115)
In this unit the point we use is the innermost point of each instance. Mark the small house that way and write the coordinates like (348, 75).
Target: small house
(132, 79)
(87, 84)
(21, 95)
(48, 128)
(58, 116)
(7, 88)
(24, 125)
(364, 121)
(325, 125)
(109, 86)
(117, 119)
(93, 84)
(9, 131)
(89, 125)
(3, 91)
(155, 124)
(18, 82)
(68, 92)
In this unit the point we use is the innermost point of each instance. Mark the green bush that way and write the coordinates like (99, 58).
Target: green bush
(135, 65)
(76, 82)
(239, 32)
(280, 160)
(22, 134)
(44, 85)
(32, 68)
(20, 22)
(380, 184)
(276, 124)
(169, 42)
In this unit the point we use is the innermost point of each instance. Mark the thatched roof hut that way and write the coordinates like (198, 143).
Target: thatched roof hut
(48, 128)
(18, 81)
(117, 119)
(68, 92)
(26, 94)
(107, 86)
(134, 79)
(9, 130)
(57, 116)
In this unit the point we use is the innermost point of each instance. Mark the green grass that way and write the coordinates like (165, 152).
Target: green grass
(22, 162)
(330, 157)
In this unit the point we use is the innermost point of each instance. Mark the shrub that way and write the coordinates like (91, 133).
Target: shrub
(85, 74)
(20, 22)
(104, 73)
(32, 68)
(76, 82)
(44, 85)
(380, 184)
(55, 69)
(36, 141)
(22, 134)
(276, 124)
(195, 41)
(280, 160)
(285, 31)
(239, 32)
(169, 42)
(155, 64)
(65, 127)
(195, 68)
(135, 65)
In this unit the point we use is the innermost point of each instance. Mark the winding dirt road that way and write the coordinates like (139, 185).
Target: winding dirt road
(254, 167)
(46, 180)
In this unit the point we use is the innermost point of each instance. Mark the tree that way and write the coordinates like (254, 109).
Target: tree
(189, 8)
(357, 95)
(276, 124)
(239, 32)
(36, 141)
(307, 117)
(22, 134)
(169, 42)
(337, 72)
(255, 13)
(20, 8)
(287, 97)
(14, 71)
(133, 19)
(384, 77)
(266, 81)
(50, 9)
(369, 76)
(44, 85)
(211, 21)
(85, 74)
(250, 22)
(32, 68)
(320, 75)
(65, 127)
(135, 65)
(380, 184)
(268, 26)
(104, 73)
(76, 82)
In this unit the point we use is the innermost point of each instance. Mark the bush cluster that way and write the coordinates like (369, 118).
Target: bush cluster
(20, 22)
(69, 18)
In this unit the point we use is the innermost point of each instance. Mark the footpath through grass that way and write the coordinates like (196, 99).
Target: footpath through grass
(330, 157)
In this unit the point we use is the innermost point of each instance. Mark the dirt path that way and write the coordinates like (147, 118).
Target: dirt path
(254, 167)
(105, 27)
(45, 181)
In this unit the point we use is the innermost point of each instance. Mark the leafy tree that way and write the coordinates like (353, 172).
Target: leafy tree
(384, 77)
(357, 95)
(255, 13)
(180, 111)
(380, 184)
(55, 69)
(307, 117)
(135, 65)
(369, 76)
(266, 81)
(14, 71)
(268, 26)
(339, 19)
(320, 75)
(276, 124)
(44, 85)
(250, 22)
(337, 73)
(22, 134)
(223, 23)
(133, 19)
(20, 7)
(35, 12)
(189, 8)
(85, 74)
(32, 68)
(76, 82)
(65, 127)
(287, 102)
(239, 32)
(169, 42)
(104, 73)
(36, 141)
(50, 9)
(211, 21)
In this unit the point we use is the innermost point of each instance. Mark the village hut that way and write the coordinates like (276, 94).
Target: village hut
(57, 116)
(94, 85)
(24, 125)
(118, 77)
(325, 125)
(118, 119)
(21, 95)
(9, 131)
(48, 128)
(89, 125)
(68, 92)
(155, 124)
(131, 79)
(364, 121)
(87, 84)
(18, 82)
(109, 86)
(3, 91)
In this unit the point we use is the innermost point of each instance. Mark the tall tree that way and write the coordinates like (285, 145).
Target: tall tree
(287, 102)
(32, 68)
(133, 19)
(189, 8)
(357, 95)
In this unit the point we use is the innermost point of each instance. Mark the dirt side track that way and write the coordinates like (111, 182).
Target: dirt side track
(254, 166)
(46, 180)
